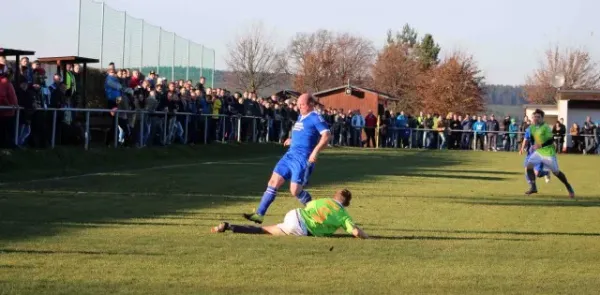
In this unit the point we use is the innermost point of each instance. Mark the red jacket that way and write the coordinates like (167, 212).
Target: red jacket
(8, 97)
(134, 82)
(370, 121)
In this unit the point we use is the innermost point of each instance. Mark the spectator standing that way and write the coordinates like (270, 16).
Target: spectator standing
(559, 130)
(589, 131)
(504, 131)
(479, 128)
(576, 138)
(513, 128)
(370, 125)
(492, 129)
(467, 134)
(8, 98)
(25, 97)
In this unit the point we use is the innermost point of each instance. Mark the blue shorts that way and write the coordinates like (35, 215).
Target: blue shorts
(294, 169)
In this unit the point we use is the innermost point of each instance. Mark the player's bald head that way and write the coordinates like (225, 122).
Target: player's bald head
(306, 98)
(305, 103)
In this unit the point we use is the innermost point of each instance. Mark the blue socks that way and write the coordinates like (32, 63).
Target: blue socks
(304, 197)
(267, 198)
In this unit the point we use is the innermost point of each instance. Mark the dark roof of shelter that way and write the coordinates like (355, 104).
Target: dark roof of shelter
(14, 52)
(68, 59)
(382, 94)
(288, 92)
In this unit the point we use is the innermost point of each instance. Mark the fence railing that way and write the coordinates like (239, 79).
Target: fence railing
(114, 36)
(143, 128)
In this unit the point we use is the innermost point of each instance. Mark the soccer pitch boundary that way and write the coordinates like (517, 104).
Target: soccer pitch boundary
(127, 171)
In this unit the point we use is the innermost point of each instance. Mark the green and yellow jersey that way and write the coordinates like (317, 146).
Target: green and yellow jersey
(541, 134)
(323, 217)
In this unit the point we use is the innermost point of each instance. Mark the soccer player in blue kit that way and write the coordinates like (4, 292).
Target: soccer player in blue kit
(309, 136)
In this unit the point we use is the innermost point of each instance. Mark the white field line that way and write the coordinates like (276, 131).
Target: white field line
(121, 172)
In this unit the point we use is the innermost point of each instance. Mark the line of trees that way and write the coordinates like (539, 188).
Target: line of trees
(408, 66)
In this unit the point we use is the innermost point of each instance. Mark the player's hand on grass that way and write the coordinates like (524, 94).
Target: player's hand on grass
(521, 152)
(312, 159)
(287, 142)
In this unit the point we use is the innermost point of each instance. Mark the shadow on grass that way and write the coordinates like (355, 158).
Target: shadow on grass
(27, 212)
(435, 238)
(535, 203)
(482, 232)
(62, 252)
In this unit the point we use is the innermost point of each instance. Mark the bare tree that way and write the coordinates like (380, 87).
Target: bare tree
(324, 59)
(576, 65)
(255, 60)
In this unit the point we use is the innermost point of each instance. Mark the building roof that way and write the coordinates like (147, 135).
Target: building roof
(68, 59)
(579, 94)
(288, 93)
(14, 52)
(539, 106)
(359, 88)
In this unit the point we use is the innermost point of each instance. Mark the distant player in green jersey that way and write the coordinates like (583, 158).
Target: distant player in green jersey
(320, 218)
(544, 153)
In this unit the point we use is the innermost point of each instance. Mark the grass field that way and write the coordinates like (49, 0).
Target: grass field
(442, 222)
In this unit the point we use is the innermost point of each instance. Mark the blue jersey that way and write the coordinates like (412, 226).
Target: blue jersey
(306, 134)
(529, 138)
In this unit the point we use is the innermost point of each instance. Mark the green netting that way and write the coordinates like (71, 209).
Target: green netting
(114, 36)
(133, 42)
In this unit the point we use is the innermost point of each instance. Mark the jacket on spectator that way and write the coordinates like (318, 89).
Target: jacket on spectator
(401, 121)
(26, 101)
(513, 128)
(8, 97)
(112, 88)
(205, 106)
(358, 121)
(57, 97)
(371, 121)
(479, 127)
(467, 124)
(492, 125)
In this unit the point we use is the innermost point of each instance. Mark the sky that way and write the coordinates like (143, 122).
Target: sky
(507, 38)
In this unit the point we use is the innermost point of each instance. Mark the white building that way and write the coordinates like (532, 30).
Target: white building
(573, 106)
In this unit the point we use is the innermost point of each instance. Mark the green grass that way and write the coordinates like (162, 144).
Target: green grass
(443, 222)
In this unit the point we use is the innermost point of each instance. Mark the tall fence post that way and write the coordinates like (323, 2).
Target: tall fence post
(159, 41)
(116, 124)
(173, 61)
(79, 28)
(212, 78)
(102, 37)
(201, 62)
(142, 47)
(187, 68)
(17, 125)
(239, 129)
(124, 38)
(87, 131)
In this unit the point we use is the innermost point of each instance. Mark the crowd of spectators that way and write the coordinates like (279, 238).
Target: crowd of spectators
(150, 110)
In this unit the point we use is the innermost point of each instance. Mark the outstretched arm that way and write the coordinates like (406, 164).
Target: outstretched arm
(359, 233)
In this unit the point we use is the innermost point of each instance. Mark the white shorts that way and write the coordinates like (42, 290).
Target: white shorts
(549, 162)
(293, 224)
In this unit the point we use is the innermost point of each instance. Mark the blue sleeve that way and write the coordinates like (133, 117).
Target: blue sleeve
(320, 124)
(527, 134)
